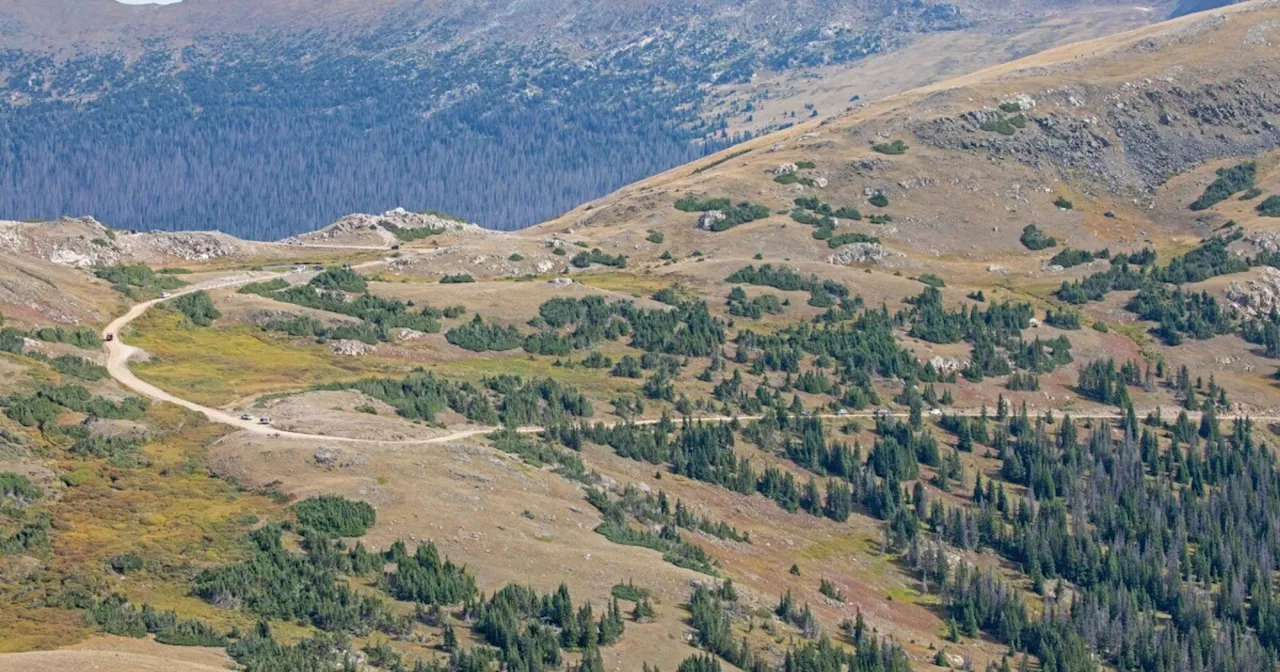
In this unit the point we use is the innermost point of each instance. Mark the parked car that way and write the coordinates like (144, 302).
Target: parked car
(246, 417)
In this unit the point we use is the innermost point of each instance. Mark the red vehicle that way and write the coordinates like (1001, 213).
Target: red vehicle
(110, 337)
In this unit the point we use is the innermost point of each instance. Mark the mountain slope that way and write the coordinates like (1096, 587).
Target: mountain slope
(266, 118)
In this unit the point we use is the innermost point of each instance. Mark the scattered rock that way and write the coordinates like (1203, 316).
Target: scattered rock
(349, 348)
(709, 219)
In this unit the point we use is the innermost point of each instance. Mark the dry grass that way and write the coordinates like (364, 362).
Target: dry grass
(218, 365)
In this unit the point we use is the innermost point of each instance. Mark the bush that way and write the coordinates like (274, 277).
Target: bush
(1250, 194)
(457, 279)
(1101, 326)
(137, 280)
(1062, 319)
(881, 219)
(895, 147)
(264, 288)
(879, 200)
(515, 256)
(340, 279)
(336, 516)
(596, 256)
(932, 280)
(408, 235)
(79, 367)
(198, 307)
(19, 488)
(479, 336)
(655, 237)
(1005, 125)
(1270, 207)
(1070, 257)
(629, 592)
(1230, 181)
(1063, 203)
(849, 238)
(1034, 239)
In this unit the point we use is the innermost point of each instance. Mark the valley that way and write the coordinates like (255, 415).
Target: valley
(979, 374)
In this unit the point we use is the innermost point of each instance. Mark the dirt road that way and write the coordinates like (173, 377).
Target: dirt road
(119, 353)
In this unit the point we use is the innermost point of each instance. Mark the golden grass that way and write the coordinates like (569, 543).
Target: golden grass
(218, 365)
(627, 282)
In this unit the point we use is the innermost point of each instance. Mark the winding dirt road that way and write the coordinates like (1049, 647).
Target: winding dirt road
(119, 354)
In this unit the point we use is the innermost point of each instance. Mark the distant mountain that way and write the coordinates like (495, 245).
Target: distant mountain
(264, 118)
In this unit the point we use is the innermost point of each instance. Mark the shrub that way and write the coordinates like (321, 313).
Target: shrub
(479, 336)
(197, 307)
(1005, 125)
(336, 516)
(806, 165)
(629, 592)
(1250, 194)
(1230, 181)
(19, 488)
(879, 200)
(1063, 203)
(515, 256)
(1034, 239)
(79, 367)
(1069, 257)
(1010, 107)
(1101, 326)
(596, 256)
(880, 219)
(655, 237)
(895, 147)
(408, 235)
(1062, 319)
(340, 279)
(135, 280)
(849, 238)
(932, 280)
(457, 279)
(264, 288)
(1270, 207)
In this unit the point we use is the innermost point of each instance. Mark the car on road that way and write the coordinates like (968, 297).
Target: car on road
(109, 337)
(264, 421)
(164, 295)
(246, 417)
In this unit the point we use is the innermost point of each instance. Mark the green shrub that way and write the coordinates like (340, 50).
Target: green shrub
(1005, 125)
(1034, 239)
(457, 279)
(1237, 178)
(340, 279)
(895, 147)
(1270, 207)
(78, 367)
(794, 178)
(1010, 107)
(515, 256)
(629, 592)
(137, 281)
(1250, 194)
(480, 336)
(408, 235)
(19, 488)
(1101, 326)
(879, 200)
(197, 307)
(932, 280)
(264, 288)
(849, 238)
(597, 256)
(336, 516)
(806, 165)
(880, 219)
(655, 237)
(1063, 203)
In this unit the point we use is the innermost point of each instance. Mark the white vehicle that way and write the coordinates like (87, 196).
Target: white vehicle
(164, 295)
(843, 411)
(264, 421)
(246, 417)
(935, 411)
